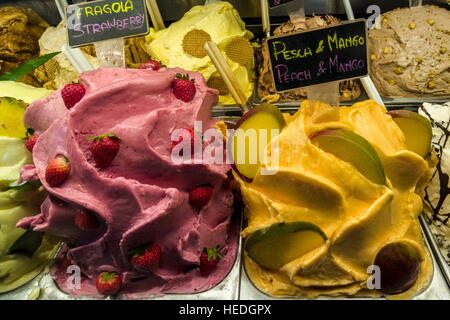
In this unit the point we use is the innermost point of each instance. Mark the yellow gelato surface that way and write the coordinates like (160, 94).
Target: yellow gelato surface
(22, 91)
(181, 45)
(17, 269)
(358, 216)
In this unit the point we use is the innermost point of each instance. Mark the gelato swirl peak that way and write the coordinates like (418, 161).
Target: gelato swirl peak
(358, 216)
(142, 196)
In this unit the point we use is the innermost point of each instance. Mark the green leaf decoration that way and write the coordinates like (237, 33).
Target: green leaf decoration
(26, 67)
(27, 243)
(26, 185)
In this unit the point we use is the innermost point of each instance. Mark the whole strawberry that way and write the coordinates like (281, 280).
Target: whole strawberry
(147, 257)
(184, 88)
(57, 171)
(200, 195)
(72, 93)
(209, 259)
(86, 220)
(30, 139)
(150, 64)
(104, 148)
(108, 283)
(187, 134)
(30, 142)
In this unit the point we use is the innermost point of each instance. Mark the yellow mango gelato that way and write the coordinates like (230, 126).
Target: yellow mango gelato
(358, 216)
(181, 45)
(17, 268)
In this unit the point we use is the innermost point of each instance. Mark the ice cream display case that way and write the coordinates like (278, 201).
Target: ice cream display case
(93, 205)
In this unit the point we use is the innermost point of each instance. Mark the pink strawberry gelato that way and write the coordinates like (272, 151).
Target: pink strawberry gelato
(142, 197)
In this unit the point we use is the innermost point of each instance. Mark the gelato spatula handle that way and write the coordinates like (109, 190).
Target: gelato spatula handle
(61, 5)
(75, 56)
(265, 17)
(77, 59)
(415, 3)
(155, 15)
(227, 75)
(111, 53)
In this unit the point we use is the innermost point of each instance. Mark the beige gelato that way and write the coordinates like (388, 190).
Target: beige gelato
(349, 90)
(59, 71)
(409, 55)
(181, 45)
(20, 30)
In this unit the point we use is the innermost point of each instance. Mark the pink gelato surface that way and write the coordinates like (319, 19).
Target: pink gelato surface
(142, 197)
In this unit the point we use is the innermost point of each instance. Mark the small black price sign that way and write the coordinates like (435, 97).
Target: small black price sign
(276, 3)
(322, 55)
(95, 21)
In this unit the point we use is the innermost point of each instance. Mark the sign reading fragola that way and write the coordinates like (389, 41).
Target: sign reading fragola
(106, 19)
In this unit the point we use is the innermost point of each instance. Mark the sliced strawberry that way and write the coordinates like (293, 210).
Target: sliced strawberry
(108, 283)
(57, 171)
(147, 257)
(184, 88)
(200, 195)
(72, 94)
(86, 220)
(209, 259)
(104, 148)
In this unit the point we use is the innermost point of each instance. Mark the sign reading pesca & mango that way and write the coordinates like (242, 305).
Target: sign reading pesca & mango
(322, 55)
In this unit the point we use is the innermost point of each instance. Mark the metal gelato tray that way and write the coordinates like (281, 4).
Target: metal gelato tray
(237, 285)
(439, 286)
(43, 287)
(438, 289)
(390, 103)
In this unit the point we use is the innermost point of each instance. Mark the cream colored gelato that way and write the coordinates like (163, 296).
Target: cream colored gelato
(59, 71)
(181, 45)
(410, 54)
